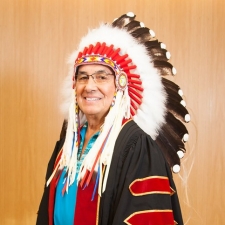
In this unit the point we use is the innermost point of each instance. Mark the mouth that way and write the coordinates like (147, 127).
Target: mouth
(91, 99)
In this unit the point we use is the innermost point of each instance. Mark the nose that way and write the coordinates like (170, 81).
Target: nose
(90, 85)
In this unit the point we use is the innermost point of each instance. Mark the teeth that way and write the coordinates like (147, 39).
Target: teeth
(92, 99)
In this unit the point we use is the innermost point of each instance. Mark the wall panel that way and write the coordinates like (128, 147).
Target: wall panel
(36, 38)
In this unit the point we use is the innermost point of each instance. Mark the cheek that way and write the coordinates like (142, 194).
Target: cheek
(110, 91)
(78, 90)
(79, 100)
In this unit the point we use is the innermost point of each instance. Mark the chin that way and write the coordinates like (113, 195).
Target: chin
(91, 111)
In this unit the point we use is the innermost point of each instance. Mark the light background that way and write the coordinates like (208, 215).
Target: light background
(36, 37)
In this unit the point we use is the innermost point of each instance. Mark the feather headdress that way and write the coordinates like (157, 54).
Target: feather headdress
(144, 93)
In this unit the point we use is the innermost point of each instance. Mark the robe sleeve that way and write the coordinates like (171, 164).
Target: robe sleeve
(140, 188)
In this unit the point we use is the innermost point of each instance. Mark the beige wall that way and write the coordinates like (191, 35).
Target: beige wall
(36, 36)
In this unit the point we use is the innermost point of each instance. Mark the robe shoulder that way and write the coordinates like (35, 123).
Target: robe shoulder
(136, 157)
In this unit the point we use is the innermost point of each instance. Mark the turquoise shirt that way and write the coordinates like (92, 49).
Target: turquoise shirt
(65, 204)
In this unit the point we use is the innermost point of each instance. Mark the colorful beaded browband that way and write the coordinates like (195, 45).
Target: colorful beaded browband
(92, 59)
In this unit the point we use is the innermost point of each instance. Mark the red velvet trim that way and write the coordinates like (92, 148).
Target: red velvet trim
(52, 188)
(151, 217)
(125, 121)
(149, 185)
(86, 210)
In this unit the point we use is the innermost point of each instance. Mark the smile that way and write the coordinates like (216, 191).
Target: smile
(92, 99)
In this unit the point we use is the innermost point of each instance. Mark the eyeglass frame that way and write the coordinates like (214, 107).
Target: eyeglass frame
(93, 77)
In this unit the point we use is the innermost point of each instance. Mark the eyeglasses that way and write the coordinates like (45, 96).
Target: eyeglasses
(99, 77)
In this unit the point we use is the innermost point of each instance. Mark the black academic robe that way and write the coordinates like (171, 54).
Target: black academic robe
(140, 188)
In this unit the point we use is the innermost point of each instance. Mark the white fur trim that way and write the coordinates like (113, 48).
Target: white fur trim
(182, 102)
(174, 71)
(185, 137)
(168, 55)
(176, 168)
(163, 46)
(142, 24)
(152, 33)
(180, 92)
(130, 14)
(180, 154)
(187, 118)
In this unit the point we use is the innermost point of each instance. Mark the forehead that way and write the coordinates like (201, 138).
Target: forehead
(93, 68)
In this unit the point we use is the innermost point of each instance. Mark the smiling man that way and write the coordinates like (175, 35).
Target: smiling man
(123, 136)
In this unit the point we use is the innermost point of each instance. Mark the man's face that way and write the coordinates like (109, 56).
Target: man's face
(95, 98)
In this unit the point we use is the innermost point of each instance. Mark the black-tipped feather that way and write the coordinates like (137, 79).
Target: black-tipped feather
(123, 21)
(170, 85)
(169, 152)
(158, 54)
(152, 44)
(170, 137)
(176, 125)
(165, 68)
(177, 110)
(173, 138)
(173, 95)
(142, 34)
(132, 26)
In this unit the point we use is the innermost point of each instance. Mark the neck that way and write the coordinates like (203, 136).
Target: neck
(94, 124)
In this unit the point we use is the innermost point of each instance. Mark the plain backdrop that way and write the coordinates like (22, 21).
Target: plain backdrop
(36, 38)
